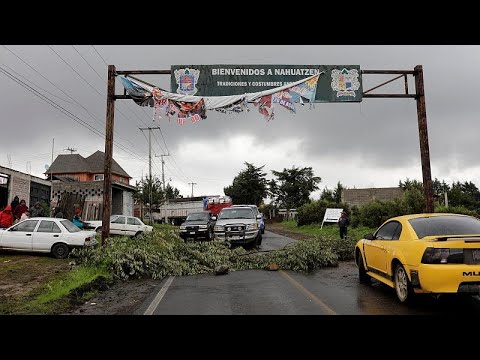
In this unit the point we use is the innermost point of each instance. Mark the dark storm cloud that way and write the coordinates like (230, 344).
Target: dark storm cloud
(378, 134)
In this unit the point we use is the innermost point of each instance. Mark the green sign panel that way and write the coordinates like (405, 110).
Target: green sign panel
(337, 83)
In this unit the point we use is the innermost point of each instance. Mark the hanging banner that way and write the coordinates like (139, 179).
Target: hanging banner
(340, 83)
(193, 108)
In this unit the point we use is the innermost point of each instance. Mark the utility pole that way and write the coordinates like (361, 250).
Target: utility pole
(107, 172)
(150, 168)
(163, 182)
(423, 134)
(53, 147)
(193, 183)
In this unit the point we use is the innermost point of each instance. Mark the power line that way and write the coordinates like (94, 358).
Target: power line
(101, 57)
(126, 106)
(90, 85)
(24, 78)
(62, 109)
(91, 67)
(70, 97)
(76, 72)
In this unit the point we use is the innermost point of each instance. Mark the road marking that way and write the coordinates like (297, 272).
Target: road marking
(308, 294)
(153, 306)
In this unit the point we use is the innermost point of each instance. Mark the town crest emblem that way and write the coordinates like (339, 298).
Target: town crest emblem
(345, 82)
(186, 80)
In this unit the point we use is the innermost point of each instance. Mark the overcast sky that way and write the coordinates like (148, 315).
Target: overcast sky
(369, 144)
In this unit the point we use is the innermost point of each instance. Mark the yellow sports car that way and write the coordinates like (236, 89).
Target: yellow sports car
(423, 253)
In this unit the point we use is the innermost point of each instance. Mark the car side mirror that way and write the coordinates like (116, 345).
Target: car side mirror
(214, 218)
(369, 237)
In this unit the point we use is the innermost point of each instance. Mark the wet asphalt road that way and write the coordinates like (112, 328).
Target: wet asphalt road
(330, 291)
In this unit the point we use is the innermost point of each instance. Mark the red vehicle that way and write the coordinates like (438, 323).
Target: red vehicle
(215, 204)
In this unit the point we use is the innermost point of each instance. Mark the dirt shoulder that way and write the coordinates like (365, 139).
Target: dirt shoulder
(120, 299)
(22, 274)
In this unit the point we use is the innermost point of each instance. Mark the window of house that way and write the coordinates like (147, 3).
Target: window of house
(98, 177)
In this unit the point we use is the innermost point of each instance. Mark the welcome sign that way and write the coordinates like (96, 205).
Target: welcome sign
(337, 83)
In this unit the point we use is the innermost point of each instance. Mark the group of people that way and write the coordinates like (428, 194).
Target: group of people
(18, 211)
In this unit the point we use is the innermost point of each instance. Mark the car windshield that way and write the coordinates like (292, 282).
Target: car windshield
(245, 213)
(445, 225)
(197, 216)
(113, 217)
(70, 226)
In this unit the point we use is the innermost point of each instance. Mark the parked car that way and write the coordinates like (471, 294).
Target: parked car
(238, 225)
(49, 235)
(198, 225)
(423, 253)
(122, 225)
(261, 220)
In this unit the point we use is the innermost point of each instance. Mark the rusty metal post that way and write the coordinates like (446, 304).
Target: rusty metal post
(107, 173)
(423, 134)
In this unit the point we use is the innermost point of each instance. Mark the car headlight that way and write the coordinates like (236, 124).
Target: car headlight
(183, 227)
(202, 226)
(218, 228)
(252, 226)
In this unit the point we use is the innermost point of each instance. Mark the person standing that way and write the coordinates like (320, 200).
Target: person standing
(343, 223)
(20, 209)
(15, 202)
(6, 217)
(37, 210)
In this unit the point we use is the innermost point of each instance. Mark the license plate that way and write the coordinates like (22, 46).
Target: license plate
(192, 232)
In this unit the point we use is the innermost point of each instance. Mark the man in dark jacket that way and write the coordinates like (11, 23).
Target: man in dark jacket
(343, 222)
(15, 203)
(37, 210)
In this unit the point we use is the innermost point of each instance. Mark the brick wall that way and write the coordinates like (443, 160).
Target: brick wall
(360, 197)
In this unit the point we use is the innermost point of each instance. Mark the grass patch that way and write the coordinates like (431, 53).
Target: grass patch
(60, 288)
(328, 230)
(57, 295)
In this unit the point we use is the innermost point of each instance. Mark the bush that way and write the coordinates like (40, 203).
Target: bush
(165, 253)
(314, 212)
(455, 210)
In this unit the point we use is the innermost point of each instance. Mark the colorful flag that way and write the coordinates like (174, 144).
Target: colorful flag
(284, 98)
(265, 108)
(306, 90)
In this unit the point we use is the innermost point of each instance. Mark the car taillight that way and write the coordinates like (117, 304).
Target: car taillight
(442, 256)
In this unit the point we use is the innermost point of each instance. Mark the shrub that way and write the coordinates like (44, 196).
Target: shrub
(314, 212)
(455, 210)
(165, 253)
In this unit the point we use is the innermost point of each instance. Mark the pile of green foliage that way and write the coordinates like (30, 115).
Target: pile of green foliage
(164, 253)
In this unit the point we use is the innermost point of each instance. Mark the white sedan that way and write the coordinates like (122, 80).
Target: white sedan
(122, 225)
(49, 235)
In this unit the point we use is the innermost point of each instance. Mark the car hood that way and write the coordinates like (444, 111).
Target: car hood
(236, 221)
(195, 222)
